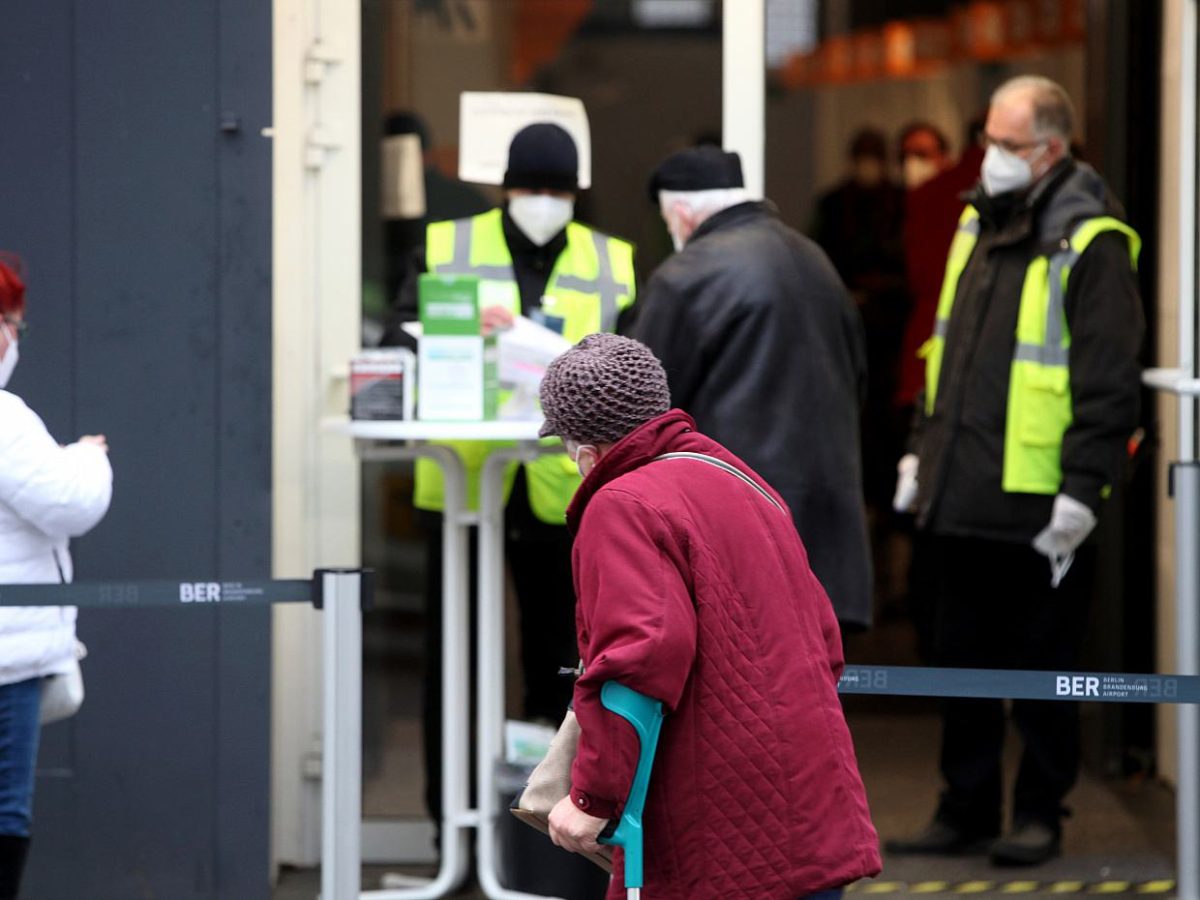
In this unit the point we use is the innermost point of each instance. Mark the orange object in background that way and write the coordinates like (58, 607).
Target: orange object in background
(540, 29)
(900, 47)
(987, 30)
(868, 54)
(914, 46)
(837, 59)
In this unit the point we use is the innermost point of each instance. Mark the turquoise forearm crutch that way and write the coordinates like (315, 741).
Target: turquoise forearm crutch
(646, 717)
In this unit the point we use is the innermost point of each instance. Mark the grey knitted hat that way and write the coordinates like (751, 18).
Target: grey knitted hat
(603, 388)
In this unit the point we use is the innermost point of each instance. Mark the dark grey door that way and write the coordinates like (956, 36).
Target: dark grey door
(135, 182)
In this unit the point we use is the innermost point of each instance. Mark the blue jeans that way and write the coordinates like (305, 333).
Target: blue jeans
(20, 706)
(831, 894)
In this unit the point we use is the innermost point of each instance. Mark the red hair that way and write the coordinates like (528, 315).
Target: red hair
(12, 288)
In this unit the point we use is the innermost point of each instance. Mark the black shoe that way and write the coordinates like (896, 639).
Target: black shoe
(1030, 843)
(941, 839)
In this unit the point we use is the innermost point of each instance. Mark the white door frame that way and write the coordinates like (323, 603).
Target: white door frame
(317, 321)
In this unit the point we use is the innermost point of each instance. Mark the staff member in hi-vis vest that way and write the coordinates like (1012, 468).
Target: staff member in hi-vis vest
(577, 281)
(1031, 395)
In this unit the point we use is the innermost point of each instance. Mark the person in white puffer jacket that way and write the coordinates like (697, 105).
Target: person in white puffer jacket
(48, 495)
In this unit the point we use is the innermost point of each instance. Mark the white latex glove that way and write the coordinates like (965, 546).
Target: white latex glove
(906, 483)
(1070, 523)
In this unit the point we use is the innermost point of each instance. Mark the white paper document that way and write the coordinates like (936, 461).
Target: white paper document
(525, 350)
(489, 119)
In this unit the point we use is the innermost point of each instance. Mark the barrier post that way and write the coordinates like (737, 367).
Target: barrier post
(1186, 487)
(1187, 484)
(340, 592)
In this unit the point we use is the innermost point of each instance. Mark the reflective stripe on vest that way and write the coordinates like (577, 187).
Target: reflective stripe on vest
(584, 267)
(1039, 392)
(592, 281)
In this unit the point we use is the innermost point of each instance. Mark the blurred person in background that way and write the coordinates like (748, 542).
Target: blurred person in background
(574, 280)
(859, 224)
(932, 207)
(924, 153)
(931, 212)
(764, 349)
(1032, 389)
(48, 495)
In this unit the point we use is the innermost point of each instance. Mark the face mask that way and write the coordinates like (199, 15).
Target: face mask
(541, 216)
(9, 362)
(678, 242)
(917, 171)
(579, 463)
(1004, 171)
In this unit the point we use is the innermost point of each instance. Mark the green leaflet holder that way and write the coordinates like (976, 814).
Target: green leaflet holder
(646, 717)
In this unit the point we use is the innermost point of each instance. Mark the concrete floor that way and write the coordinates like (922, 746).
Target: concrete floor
(1120, 839)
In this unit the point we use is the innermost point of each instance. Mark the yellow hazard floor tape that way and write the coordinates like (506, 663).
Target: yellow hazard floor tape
(1012, 887)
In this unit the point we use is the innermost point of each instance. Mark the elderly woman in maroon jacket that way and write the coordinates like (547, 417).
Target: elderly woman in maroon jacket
(694, 589)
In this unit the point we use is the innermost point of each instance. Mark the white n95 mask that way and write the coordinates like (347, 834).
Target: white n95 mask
(10, 360)
(1004, 171)
(541, 216)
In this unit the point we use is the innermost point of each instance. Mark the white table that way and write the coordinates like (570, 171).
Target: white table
(409, 440)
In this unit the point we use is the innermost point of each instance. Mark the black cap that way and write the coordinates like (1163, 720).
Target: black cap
(698, 169)
(405, 122)
(543, 155)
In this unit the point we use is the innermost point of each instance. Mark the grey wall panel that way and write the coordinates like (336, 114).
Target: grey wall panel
(147, 234)
(36, 84)
(244, 444)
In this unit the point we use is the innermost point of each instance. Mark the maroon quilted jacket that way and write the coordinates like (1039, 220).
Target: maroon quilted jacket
(695, 589)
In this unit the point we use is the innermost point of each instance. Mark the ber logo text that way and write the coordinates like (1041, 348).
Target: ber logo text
(1076, 686)
(199, 592)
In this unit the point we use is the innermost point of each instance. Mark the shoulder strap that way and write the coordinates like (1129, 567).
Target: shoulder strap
(721, 464)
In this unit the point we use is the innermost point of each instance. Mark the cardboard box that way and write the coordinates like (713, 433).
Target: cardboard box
(457, 371)
(381, 384)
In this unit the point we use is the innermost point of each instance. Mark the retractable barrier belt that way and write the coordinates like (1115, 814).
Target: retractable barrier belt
(136, 594)
(1005, 684)
(900, 681)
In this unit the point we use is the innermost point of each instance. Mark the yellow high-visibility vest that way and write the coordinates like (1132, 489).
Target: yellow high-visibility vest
(1039, 387)
(592, 282)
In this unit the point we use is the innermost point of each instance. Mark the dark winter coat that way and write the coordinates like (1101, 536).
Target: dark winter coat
(764, 349)
(694, 589)
(961, 445)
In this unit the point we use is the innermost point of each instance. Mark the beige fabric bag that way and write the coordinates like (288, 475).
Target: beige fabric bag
(550, 781)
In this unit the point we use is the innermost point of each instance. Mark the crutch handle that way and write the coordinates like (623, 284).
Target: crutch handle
(646, 717)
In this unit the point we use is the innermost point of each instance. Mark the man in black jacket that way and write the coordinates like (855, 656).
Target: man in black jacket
(764, 349)
(1031, 394)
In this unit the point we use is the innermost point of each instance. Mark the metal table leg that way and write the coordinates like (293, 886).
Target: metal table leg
(457, 817)
(490, 673)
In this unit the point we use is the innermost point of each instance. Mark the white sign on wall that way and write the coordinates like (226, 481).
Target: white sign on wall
(488, 121)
